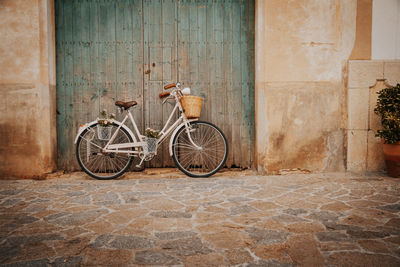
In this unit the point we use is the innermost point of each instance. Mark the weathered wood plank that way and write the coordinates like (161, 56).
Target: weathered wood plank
(227, 68)
(93, 94)
(60, 76)
(183, 43)
(124, 55)
(136, 52)
(236, 86)
(193, 47)
(66, 148)
(85, 44)
(202, 59)
(251, 60)
(106, 39)
(110, 96)
(219, 64)
(123, 36)
(153, 38)
(245, 107)
(169, 61)
(146, 65)
(76, 110)
(156, 59)
(210, 50)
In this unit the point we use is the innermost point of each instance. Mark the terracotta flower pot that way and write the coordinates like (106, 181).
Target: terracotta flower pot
(392, 158)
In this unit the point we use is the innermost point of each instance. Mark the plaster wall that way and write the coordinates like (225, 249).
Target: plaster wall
(27, 88)
(302, 50)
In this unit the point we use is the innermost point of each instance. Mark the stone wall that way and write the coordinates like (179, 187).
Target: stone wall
(366, 77)
(28, 140)
(302, 50)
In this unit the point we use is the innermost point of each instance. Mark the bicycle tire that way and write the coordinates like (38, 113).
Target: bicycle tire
(84, 166)
(190, 160)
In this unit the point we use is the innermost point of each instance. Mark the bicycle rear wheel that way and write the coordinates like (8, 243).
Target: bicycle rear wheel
(202, 162)
(101, 165)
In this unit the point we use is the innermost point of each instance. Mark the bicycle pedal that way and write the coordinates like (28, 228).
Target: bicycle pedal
(140, 163)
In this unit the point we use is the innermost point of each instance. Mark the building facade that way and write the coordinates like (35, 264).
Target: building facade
(317, 66)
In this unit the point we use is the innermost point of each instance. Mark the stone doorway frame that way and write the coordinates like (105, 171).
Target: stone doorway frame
(47, 8)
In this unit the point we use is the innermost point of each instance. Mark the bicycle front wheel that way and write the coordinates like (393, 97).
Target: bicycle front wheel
(208, 157)
(98, 164)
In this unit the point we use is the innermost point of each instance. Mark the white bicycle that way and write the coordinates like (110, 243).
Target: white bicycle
(199, 149)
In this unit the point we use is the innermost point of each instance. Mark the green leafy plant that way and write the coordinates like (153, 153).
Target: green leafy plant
(150, 133)
(388, 108)
(105, 120)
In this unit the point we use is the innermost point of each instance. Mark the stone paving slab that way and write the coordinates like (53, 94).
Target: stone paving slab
(333, 219)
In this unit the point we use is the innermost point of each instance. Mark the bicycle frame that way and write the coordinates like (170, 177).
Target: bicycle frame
(140, 141)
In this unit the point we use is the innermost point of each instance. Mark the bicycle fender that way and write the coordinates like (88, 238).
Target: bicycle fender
(171, 140)
(86, 125)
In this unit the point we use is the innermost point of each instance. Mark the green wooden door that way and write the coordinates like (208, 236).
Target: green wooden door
(128, 49)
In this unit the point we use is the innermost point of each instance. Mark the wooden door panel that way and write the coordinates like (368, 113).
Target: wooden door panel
(128, 49)
(216, 58)
(99, 46)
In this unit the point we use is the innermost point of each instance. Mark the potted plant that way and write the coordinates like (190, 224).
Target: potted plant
(388, 108)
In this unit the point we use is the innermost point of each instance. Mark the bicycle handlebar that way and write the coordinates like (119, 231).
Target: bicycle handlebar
(168, 86)
(173, 92)
(165, 94)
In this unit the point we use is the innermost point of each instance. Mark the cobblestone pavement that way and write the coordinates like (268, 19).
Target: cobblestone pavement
(334, 219)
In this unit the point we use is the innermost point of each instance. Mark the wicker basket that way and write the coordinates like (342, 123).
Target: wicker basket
(191, 106)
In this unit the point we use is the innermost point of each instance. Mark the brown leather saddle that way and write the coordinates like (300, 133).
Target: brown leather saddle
(125, 105)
